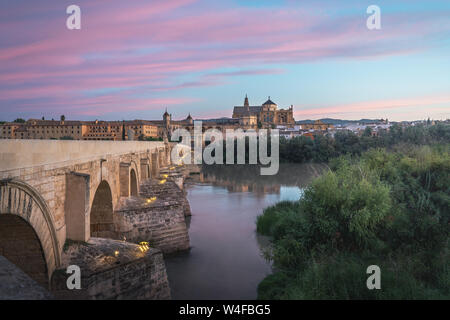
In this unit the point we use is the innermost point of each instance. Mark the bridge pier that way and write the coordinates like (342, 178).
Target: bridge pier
(155, 165)
(145, 169)
(76, 206)
(158, 216)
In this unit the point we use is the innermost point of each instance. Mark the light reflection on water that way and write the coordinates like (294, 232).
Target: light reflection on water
(225, 260)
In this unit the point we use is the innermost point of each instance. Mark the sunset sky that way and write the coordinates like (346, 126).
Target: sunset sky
(132, 59)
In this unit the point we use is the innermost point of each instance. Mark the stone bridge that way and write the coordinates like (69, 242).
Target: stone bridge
(52, 191)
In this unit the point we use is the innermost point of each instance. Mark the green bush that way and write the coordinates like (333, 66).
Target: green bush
(267, 221)
(385, 208)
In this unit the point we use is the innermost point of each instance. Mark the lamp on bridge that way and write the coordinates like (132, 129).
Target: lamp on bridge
(150, 200)
(144, 246)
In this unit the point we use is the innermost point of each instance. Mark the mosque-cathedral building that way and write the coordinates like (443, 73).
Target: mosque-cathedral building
(266, 115)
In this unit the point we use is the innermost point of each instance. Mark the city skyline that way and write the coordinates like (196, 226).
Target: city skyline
(133, 60)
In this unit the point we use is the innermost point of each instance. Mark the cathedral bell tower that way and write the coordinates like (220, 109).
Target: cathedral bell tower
(166, 120)
(246, 104)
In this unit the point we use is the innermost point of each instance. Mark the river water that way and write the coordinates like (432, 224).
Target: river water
(225, 259)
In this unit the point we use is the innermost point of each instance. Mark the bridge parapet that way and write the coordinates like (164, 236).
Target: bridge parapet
(19, 154)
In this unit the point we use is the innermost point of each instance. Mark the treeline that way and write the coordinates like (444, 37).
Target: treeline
(384, 208)
(324, 147)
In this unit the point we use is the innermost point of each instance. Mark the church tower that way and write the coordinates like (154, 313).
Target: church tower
(246, 104)
(166, 121)
(247, 119)
(189, 119)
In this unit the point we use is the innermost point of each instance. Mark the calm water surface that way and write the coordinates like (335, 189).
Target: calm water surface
(225, 260)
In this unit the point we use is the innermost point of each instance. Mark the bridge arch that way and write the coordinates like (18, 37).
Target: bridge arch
(133, 183)
(134, 179)
(101, 214)
(28, 237)
(148, 168)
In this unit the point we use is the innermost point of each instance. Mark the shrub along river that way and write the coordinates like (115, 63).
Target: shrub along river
(225, 260)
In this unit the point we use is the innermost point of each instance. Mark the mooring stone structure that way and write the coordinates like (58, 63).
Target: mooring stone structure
(52, 191)
(158, 216)
(112, 269)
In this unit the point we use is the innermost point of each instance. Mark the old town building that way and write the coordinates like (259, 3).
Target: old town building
(317, 125)
(79, 130)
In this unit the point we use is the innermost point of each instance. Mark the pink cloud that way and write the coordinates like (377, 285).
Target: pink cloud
(143, 48)
(378, 106)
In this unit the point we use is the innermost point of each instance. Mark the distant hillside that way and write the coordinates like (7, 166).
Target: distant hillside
(338, 121)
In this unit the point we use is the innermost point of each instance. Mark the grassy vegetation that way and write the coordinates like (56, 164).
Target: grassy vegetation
(387, 208)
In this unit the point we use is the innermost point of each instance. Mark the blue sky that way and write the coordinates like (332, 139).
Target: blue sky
(133, 59)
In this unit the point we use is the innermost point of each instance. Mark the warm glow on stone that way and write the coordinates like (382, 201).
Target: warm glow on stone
(150, 200)
(144, 246)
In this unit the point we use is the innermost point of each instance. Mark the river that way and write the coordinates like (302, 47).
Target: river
(225, 259)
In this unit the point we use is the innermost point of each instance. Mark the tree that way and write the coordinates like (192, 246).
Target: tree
(19, 120)
(367, 132)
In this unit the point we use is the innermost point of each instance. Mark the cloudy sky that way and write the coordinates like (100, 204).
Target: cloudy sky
(132, 59)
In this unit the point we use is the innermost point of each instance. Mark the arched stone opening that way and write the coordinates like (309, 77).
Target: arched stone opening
(20, 244)
(102, 224)
(133, 184)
